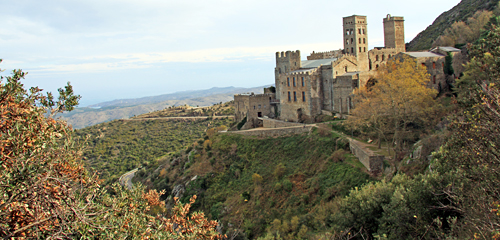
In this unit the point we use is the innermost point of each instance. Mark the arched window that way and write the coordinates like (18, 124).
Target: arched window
(352, 50)
(359, 49)
(359, 30)
(359, 40)
(364, 40)
(345, 68)
(364, 49)
(376, 58)
(352, 40)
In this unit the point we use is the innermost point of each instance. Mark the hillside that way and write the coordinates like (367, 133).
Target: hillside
(116, 147)
(126, 108)
(462, 11)
(249, 183)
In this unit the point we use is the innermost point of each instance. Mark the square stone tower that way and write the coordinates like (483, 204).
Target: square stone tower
(394, 33)
(356, 40)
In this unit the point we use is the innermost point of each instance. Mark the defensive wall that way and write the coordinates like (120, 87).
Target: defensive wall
(273, 132)
(372, 162)
(272, 123)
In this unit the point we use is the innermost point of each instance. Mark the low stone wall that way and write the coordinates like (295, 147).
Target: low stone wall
(372, 162)
(273, 132)
(272, 123)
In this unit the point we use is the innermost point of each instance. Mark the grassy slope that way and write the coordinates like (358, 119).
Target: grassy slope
(462, 11)
(310, 173)
(119, 146)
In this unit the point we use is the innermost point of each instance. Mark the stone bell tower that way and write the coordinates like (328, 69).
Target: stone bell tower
(356, 39)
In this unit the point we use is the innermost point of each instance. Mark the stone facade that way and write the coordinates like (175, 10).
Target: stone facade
(254, 106)
(394, 33)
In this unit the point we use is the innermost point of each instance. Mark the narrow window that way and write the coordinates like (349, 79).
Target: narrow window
(383, 57)
(359, 49)
(434, 65)
(442, 65)
(303, 96)
(259, 106)
(345, 68)
(364, 40)
(295, 96)
(288, 81)
(352, 50)
(359, 40)
(294, 82)
(363, 31)
(347, 41)
(302, 81)
(359, 30)
(289, 98)
(376, 66)
(376, 58)
(352, 40)
(364, 49)
(434, 79)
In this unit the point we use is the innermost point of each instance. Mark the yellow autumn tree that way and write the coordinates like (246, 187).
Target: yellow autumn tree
(397, 103)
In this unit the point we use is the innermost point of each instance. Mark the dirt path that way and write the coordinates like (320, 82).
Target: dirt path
(126, 179)
(174, 118)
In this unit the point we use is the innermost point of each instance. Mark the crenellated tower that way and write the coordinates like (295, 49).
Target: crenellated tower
(285, 62)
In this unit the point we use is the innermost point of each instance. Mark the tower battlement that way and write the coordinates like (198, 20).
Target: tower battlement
(287, 55)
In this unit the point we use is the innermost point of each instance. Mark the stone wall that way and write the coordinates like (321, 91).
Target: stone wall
(343, 90)
(325, 55)
(372, 162)
(272, 123)
(273, 132)
(379, 56)
(253, 106)
(394, 33)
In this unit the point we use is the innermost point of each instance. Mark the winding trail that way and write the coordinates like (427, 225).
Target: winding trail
(126, 179)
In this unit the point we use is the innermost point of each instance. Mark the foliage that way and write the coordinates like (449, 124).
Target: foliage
(399, 105)
(240, 124)
(464, 32)
(246, 183)
(461, 12)
(46, 193)
(403, 208)
(470, 156)
(120, 146)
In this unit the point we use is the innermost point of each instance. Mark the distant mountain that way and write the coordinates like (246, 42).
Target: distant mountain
(462, 11)
(184, 95)
(126, 108)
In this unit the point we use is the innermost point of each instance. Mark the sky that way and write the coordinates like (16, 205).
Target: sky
(116, 49)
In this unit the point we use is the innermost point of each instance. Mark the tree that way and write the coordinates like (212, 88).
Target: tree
(471, 157)
(397, 105)
(45, 192)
